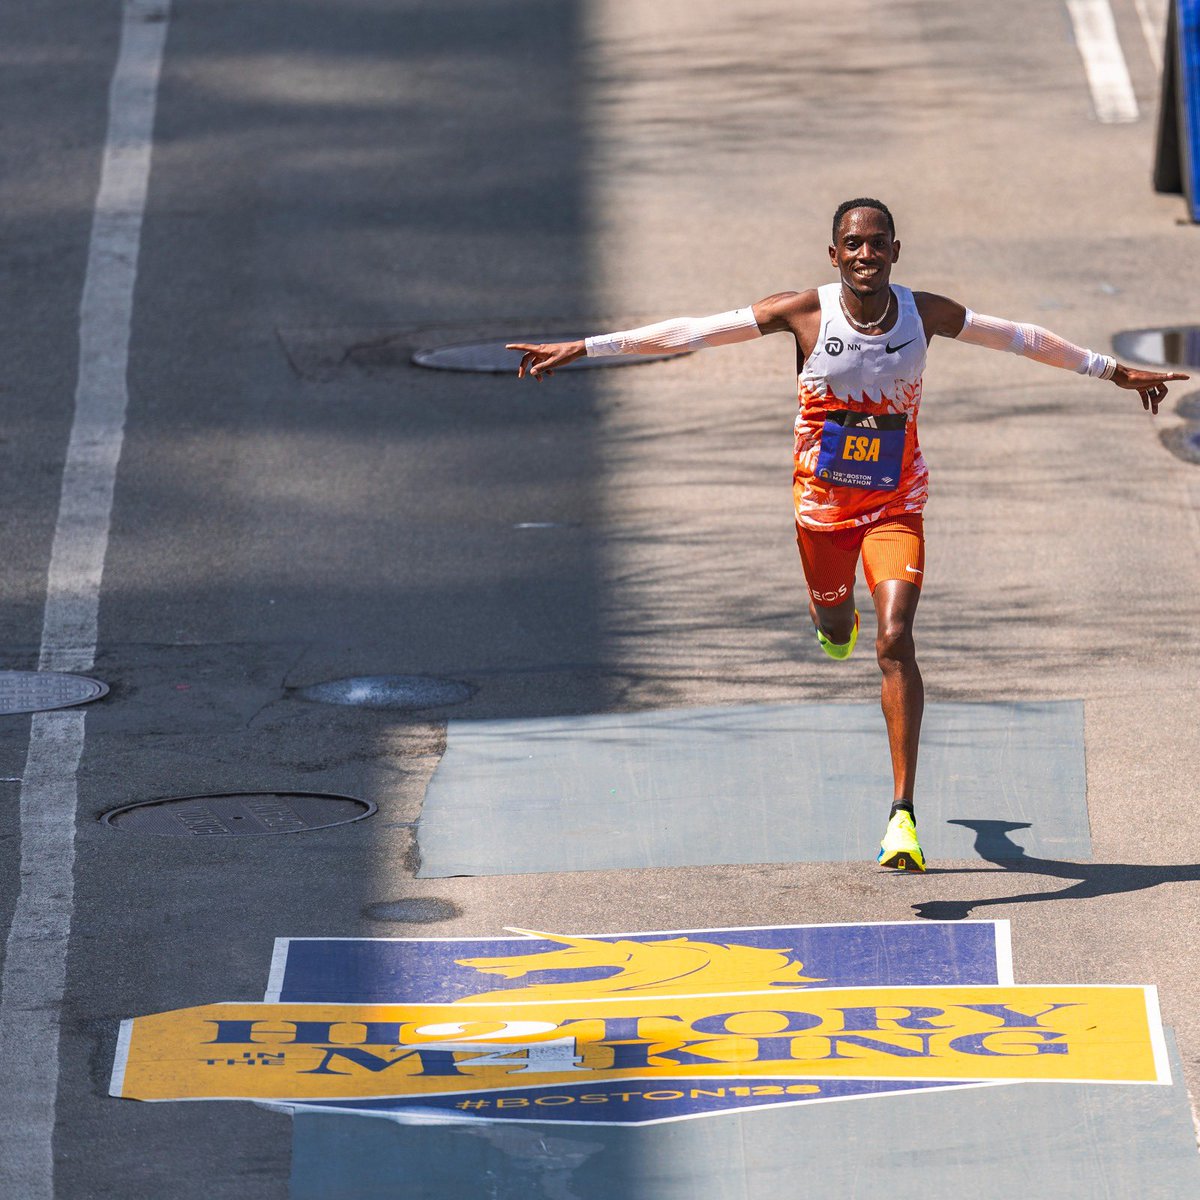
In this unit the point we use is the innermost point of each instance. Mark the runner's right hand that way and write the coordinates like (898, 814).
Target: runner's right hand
(540, 361)
(1150, 385)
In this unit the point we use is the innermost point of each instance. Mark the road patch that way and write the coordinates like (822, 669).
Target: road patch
(750, 784)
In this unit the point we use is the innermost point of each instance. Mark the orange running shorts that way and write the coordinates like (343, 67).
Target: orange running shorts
(891, 548)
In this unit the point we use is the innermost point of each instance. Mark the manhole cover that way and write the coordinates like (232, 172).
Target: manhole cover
(1188, 407)
(491, 358)
(389, 691)
(40, 691)
(1184, 442)
(1177, 346)
(420, 910)
(238, 814)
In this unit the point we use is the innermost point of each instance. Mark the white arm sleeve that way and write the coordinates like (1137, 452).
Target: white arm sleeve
(678, 335)
(1032, 341)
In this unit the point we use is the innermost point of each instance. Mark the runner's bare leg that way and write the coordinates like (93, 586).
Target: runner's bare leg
(903, 693)
(835, 622)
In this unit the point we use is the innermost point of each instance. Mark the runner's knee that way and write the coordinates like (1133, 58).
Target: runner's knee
(894, 644)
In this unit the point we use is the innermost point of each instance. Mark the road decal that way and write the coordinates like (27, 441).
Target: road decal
(633, 1028)
(412, 970)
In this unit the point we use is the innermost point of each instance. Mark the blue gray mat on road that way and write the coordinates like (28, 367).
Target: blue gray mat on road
(1049, 1141)
(755, 784)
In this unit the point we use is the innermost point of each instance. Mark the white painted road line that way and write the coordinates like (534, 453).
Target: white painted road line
(1154, 30)
(1103, 61)
(35, 965)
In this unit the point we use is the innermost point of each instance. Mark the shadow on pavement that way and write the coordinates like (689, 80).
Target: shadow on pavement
(321, 169)
(1084, 880)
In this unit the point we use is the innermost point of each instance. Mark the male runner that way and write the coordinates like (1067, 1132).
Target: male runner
(860, 481)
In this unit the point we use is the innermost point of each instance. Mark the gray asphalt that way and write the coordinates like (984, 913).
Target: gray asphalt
(339, 182)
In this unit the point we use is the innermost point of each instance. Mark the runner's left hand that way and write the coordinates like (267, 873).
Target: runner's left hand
(1150, 385)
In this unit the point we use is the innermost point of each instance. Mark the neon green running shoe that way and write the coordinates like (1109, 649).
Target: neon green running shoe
(840, 650)
(900, 848)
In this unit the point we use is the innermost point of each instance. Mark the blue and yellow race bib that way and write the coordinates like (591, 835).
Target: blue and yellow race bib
(862, 450)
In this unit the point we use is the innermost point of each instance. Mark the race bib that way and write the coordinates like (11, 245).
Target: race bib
(862, 450)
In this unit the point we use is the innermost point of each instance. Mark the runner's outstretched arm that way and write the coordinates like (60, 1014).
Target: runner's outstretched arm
(948, 318)
(676, 336)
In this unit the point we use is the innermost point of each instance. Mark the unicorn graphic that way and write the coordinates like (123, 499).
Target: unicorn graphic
(666, 967)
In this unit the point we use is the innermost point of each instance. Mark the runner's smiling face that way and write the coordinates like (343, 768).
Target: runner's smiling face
(864, 251)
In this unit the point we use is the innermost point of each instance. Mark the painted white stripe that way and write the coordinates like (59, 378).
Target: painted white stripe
(1004, 954)
(1155, 34)
(116, 1083)
(279, 956)
(35, 964)
(1158, 1039)
(1103, 61)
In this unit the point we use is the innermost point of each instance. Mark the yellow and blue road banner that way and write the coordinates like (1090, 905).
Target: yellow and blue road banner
(641, 1027)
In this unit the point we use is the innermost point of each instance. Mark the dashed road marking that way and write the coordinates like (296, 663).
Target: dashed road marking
(1103, 61)
(1154, 28)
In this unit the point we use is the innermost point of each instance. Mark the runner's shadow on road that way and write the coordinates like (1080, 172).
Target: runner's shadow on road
(994, 844)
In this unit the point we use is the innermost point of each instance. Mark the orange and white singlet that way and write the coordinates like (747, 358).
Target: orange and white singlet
(857, 458)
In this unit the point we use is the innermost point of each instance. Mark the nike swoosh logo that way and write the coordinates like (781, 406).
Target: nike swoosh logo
(914, 570)
(892, 349)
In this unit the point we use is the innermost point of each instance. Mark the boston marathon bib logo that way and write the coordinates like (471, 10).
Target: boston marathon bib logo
(634, 1028)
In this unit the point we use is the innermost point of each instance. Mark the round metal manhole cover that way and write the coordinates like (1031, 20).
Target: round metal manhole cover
(1188, 407)
(1184, 442)
(491, 357)
(41, 691)
(389, 691)
(238, 814)
(1177, 346)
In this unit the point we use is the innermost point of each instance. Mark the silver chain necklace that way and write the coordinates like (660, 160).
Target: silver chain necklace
(865, 326)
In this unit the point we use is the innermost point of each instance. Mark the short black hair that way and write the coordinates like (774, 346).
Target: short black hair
(862, 202)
